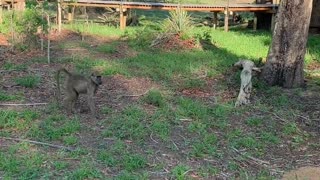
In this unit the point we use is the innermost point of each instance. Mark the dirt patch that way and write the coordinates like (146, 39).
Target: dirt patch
(3, 40)
(303, 173)
(171, 42)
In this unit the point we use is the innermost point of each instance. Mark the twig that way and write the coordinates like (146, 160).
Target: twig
(152, 138)
(175, 145)
(28, 104)
(137, 95)
(185, 119)
(38, 143)
(250, 157)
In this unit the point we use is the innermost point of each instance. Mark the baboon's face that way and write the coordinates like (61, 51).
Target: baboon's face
(99, 80)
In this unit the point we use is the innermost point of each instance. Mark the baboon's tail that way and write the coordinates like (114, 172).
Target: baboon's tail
(58, 81)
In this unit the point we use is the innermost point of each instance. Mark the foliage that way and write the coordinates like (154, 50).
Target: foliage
(179, 22)
(24, 25)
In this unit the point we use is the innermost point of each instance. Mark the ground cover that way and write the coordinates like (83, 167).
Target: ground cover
(163, 113)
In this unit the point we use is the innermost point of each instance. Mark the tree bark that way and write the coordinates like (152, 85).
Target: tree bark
(285, 59)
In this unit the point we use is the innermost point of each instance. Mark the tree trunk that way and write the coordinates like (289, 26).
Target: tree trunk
(285, 59)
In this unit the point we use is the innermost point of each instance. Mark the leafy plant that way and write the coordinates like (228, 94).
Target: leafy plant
(179, 22)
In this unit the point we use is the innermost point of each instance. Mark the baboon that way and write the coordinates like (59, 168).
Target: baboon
(76, 84)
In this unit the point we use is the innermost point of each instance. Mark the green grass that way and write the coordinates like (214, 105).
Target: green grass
(8, 97)
(130, 124)
(19, 162)
(155, 98)
(29, 81)
(13, 66)
(56, 127)
(108, 48)
(15, 119)
(162, 134)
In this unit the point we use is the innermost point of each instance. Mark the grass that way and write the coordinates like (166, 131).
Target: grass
(164, 133)
(8, 97)
(29, 81)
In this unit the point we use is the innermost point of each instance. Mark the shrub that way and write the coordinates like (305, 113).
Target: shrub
(24, 26)
(179, 22)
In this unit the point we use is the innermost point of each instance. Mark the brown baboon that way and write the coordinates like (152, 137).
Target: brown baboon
(76, 84)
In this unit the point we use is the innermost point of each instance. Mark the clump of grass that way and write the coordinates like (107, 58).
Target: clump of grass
(7, 97)
(254, 122)
(205, 146)
(70, 140)
(179, 172)
(194, 83)
(155, 98)
(108, 48)
(86, 171)
(14, 119)
(12, 66)
(28, 81)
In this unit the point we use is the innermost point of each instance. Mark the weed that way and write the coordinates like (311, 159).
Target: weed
(28, 81)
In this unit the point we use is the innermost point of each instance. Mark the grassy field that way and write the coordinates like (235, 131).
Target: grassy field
(163, 114)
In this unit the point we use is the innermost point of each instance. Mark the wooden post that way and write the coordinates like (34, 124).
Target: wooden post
(70, 14)
(59, 15)
(215, 20)
(123, 18)
(226, 20)
(255, 21)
